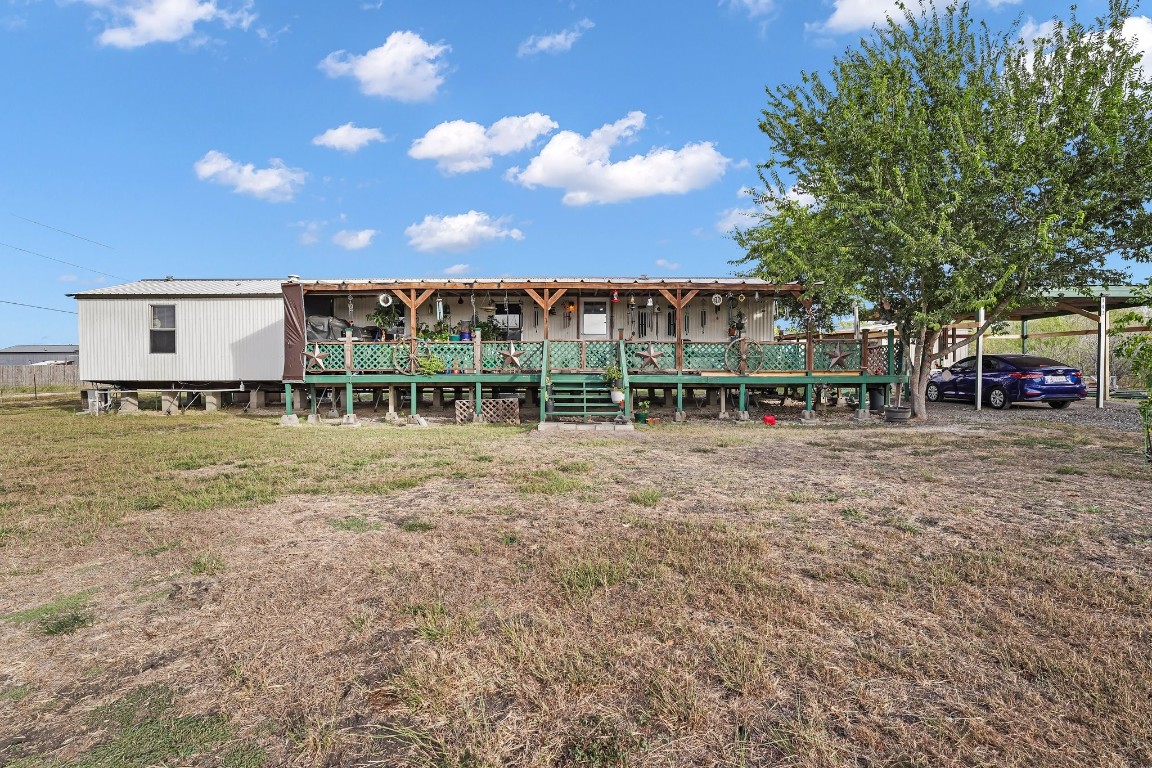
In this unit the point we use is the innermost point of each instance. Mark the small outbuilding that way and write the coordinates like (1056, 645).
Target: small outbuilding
(183, 335)
(40, 354)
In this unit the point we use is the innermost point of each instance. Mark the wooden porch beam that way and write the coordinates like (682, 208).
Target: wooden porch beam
(1076, 310)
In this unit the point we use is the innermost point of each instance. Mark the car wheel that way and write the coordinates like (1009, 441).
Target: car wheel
(998, 398)
(1060, 404)
(932, 392)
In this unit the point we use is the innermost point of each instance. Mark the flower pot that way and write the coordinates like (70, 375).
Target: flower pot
(465, 335)
(895, 414)
(641, 417)
(617, 396)
(454, 337)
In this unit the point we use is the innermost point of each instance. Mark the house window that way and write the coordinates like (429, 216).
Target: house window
(162, 333)
(594, 319)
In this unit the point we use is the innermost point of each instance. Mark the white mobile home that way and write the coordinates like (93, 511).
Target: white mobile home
(183, 334)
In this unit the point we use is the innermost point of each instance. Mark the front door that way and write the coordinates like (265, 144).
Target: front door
(594, 320)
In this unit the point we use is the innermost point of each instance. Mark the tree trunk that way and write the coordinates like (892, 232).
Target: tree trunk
(920, 369)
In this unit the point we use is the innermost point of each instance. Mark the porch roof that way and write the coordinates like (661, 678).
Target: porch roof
(520, 283)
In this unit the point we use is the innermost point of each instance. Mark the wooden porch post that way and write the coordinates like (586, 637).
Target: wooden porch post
(679, 334)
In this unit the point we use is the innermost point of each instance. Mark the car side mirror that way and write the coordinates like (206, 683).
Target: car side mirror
(954, 370)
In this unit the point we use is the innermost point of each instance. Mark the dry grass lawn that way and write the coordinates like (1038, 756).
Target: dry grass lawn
(214, 590)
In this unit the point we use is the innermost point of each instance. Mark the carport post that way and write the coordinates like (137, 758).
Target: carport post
(979, 360)
(1102, 353)
(1023, 337)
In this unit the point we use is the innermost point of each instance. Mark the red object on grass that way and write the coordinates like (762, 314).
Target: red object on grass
(770, 420)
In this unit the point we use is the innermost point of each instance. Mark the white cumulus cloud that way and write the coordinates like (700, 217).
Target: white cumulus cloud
(736, 218)
(557, 43)
(277, 183)
(1137, 29)
(405, 68)
(133, 23)
(348, 137)
(754, 8)
(456, 269)
(669, 265)
(852, 15)
(458, 233)
(354, 239)
(459, 146)
(582, 166)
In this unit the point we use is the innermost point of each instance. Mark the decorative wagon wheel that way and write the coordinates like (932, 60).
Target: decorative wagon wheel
(744, 356)
(402, 357)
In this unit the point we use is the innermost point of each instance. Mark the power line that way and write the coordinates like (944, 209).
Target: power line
(33, 306)
(60, 261)
(63, 232)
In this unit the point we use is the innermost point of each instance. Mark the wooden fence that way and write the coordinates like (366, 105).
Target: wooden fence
(33, 376)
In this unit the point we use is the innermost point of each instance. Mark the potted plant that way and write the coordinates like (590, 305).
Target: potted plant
(614, 377)
(642, 411)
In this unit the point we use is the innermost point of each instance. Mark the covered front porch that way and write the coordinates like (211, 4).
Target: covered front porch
(548, 343)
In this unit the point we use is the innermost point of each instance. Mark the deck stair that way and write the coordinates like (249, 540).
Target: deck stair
(586, 397)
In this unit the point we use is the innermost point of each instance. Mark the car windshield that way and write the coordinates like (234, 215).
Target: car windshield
(1033, 361)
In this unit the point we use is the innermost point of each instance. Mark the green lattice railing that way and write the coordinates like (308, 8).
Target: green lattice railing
(581, 355)
(456, 355)
(531, 355)
(836, 356)
(663, 354)
(782, 356)
(704, 355)
(596, 355)
(376, 357)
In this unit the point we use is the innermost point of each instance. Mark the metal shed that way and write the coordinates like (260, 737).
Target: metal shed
(31, 354)
(175, 334)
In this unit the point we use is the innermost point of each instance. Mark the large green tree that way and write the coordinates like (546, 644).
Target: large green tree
(941, 167)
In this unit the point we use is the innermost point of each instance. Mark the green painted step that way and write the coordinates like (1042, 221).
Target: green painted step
(582, 396)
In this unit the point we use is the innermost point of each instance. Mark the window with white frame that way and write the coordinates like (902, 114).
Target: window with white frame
(162, 332)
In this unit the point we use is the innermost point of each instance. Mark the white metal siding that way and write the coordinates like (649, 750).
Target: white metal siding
(218, 339)
(758, 316)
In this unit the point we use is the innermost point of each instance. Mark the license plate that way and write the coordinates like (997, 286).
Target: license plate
(1055, 379)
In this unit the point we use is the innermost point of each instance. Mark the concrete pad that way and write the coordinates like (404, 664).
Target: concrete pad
(290, 421)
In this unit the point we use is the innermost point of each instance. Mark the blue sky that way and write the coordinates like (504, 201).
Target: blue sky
(391, 138)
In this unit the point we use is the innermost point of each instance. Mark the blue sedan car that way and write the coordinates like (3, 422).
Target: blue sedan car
(1010, 379)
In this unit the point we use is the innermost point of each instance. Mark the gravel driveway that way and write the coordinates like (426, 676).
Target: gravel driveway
(1116, 414)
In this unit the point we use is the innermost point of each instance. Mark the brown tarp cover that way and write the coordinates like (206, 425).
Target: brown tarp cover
(294, 331)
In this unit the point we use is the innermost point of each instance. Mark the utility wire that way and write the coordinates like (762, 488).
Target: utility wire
(60, 261)
(33, 306)
(63, 232)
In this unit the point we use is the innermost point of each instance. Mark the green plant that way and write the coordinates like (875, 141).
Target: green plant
(429, 366)
(416, 526)
(613, 375)
(649, 497)
(354, 524)
(489, 329)
(207, 564)
(643, 406)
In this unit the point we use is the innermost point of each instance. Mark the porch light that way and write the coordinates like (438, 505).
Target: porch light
(571, 306)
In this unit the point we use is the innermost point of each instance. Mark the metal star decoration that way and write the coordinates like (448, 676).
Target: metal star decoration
(649, 358)
(314, 358)
(511, 357)
(837, 358)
